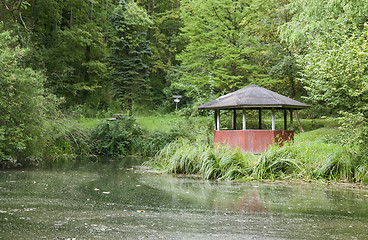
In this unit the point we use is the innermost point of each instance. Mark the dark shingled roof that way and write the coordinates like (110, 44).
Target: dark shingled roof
(253, 96)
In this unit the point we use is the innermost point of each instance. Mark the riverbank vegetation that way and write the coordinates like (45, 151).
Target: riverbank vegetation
(67, 66)
(316, 155)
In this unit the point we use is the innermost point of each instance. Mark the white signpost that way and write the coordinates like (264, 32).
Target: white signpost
(176, 100)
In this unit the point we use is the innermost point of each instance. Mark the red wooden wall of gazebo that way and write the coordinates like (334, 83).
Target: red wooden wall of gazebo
(254, 141)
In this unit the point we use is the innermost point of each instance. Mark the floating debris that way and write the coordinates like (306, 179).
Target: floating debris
(106, 192)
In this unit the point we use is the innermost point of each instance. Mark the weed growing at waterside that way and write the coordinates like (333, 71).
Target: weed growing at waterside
(185, 157)
(309, 158)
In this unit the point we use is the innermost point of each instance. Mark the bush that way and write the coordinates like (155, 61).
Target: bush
(120, 137)
(25, 106)
(354, 134)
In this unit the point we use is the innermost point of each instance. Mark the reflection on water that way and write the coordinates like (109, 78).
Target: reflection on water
(115, 200)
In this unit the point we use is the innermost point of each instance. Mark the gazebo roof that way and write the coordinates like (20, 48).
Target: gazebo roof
(253, 96)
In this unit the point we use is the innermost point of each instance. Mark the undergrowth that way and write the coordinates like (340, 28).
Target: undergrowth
(185, 157)
(298, 161)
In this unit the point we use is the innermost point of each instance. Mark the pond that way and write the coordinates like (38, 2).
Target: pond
(115, 200)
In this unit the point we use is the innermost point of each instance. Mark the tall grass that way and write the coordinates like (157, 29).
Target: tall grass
(185, 157)
(306, 161)
(309, 158)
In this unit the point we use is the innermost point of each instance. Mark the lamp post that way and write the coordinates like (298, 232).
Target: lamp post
(176, 100)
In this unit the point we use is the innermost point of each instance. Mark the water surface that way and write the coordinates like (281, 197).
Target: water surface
(115, 200)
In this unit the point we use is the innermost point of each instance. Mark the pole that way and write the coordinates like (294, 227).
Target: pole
(215, 115)
(291, 120)
(260, 118)
(285, 119)
(244, 120)
(218, 119)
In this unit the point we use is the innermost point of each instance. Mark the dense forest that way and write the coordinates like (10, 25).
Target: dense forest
(64, 56)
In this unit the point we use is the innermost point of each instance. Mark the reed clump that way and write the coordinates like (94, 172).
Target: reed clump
(309, 160)
(185, 157)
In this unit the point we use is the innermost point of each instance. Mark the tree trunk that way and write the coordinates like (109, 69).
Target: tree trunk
(298, 121)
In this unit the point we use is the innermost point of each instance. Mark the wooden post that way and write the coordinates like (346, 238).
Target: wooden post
(260, 118)
(215, 115)
(234, 119)
(285, 119)
(291, 119)
(273, 119)
(244, 120)
(218, 120)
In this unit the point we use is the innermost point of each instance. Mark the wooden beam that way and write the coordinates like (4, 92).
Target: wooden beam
(244, 120)
(291, 119)
(234, 119)
(215, 116)
(218, 120)
(285, 119)
(260, 118)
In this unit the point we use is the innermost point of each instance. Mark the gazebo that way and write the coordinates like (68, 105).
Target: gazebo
(253, 98)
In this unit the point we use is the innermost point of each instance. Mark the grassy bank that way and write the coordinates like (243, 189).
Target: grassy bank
(313, 156)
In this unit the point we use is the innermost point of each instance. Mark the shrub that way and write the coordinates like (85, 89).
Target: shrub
(25, 106)
(120, 137)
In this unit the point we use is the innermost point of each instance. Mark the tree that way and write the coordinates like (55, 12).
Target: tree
(314, 18)
(129, 54)
(317, 30)
(165, 42)
(335, 74)
(66, 39)
(221, 48)
(12, 9)
(25, 105)
(335, 71)
(74, 49)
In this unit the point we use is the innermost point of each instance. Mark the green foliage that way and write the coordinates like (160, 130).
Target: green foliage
(165, 42)
(129, 53)
(154, 142)
(184, 157)
(66, 142)
(277, 163)
(126, 137)
(220, 47)
(331, 40)
(354, 134)
(310, 158)
(335, 71)
(314, 19)
(68, 40)
(120, 137)
(310, 161)
(25, 105)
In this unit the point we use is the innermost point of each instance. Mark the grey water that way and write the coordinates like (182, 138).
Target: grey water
(115, 199)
